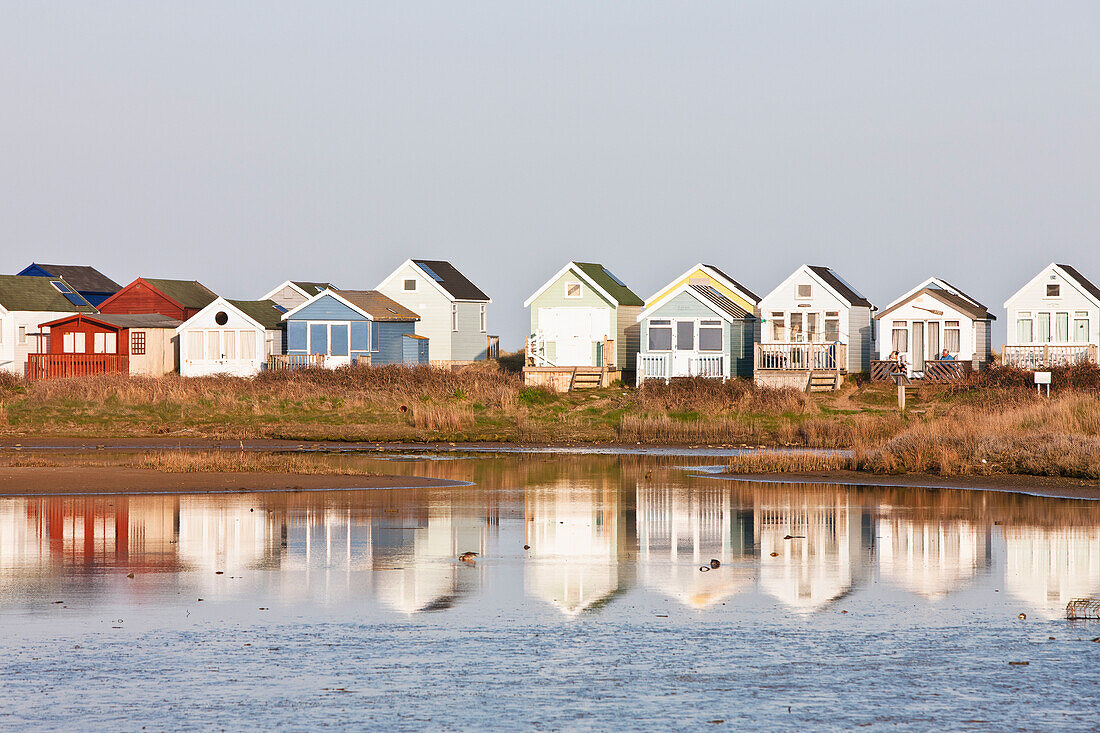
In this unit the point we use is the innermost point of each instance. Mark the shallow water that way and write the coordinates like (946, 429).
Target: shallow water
(886, 608)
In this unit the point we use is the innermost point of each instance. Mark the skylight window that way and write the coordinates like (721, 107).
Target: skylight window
(60, 286)
(611, 275)
(74, 299)
(431, 273)
(278, 307)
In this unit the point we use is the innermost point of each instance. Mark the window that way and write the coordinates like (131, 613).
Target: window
(99, 342)
(796, 327)
(22, 337)
(410, 285)
(68, 343)
(1053, 290)
(221, 318)
(1081, 327)
(951, 339)
(899, 337)
(1043, 327)
(804, 290)
(685, 335)
(248, 345)
(213, 345)
(660, 335)
(60, 286)
(194, 345)
(710, 336)
(812, 320)
(1061, 327)
(484, 324)
(832, 326)
(573, 290)
(454, 316)
(779, 327)
(229, 339)
(137, 343)
(1024, 329)
(81, 346)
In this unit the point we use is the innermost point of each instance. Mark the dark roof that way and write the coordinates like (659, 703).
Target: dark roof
(840, 286)
(380, 307)
(138, 320)
(83, 278)
(313, 288)
(265, 312)
(451, 280)
(959, 303)
(188, 293)
(28, 293)
(742, 288)
(722, 302)
(614, 287)
(1082, 280)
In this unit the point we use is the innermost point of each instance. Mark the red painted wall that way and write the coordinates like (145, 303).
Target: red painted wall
(57, 336)
(139, 297)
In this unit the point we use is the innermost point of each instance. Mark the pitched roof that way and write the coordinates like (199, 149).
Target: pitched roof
(380, 307)
(451, 280)
(188, 293)
(29, 293)
(84, 278)
(1083, 281)
(313, 288)
(721, 302)
(265, 312)
(977, 312)
(740, 287)
(137, 320)
(836, 283)
(614, 287)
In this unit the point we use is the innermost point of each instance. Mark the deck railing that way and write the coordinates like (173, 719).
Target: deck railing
(934, 371)
(1044, 356)
(64, 366)
(278, 362)
(660, 366)
(492, 347)
(802, 357)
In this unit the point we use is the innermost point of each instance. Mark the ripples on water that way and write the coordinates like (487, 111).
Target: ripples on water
(886, 607)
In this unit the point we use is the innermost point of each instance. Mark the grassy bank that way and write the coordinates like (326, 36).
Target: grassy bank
(992, 423)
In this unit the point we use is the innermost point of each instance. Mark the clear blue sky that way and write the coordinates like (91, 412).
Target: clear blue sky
(242, 144)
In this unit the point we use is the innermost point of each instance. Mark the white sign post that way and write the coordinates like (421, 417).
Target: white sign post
(1040, 379)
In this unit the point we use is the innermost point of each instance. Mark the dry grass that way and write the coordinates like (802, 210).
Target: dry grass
(665, 429)
(791, 462)
(239, 462)
(712, 396)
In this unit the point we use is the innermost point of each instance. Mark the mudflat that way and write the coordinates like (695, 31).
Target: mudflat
(61, 480)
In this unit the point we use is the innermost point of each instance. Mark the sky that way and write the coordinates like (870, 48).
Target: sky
(242, 144)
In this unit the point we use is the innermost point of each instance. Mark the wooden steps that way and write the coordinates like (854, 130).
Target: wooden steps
(823, 381)
(586, 378)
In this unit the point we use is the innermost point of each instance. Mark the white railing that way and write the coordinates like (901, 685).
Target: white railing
(802, 357)
(660, 366)
(536, 351)
(1045, 356)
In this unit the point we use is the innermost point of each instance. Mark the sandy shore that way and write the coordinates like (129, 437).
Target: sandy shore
(1063, 488)
(34, 480)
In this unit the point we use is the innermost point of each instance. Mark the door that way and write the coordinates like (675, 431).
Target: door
(933, 350)
(338, 344)
(683, 352)
(916, 348)
(575, 331)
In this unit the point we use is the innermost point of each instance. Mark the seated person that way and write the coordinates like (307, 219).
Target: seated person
(945, 355)
(894, 357)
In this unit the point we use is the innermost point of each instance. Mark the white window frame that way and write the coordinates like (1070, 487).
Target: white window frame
(454, 317)
(580, 289)
(664, 324)
(709, 324)
(484, 319)
(21, 337)
(798, 291)
(405, 284)
(1046, 290)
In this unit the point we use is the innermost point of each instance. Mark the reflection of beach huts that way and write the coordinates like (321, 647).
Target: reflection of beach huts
(414, 557)
(575, 533)
(931, 558)
(225, 535)
(823, 557)
(680, 530)
(1048, 567)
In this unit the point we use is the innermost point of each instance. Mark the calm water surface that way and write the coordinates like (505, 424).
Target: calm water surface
(885, 608)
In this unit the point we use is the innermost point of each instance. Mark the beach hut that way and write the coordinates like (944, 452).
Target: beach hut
(25, 303)
(584, 329)
(234, 337)
(179, 299)
(695, 330)
(454, 313)
(815, 329)
(337, 328)
(1053, 320)
(83, 344)
(93, 285)
(293, 293)
(933, 318)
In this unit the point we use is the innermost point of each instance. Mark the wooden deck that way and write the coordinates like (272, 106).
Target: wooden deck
(808, 367)
(933, 372)
(67, 366)
(1038, 357)
(281, 362)
(565, 379)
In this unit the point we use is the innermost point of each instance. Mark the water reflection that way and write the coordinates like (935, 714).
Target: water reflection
(596, 529)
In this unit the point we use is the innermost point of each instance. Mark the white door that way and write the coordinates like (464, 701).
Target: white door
(683, 344)
(575, 331)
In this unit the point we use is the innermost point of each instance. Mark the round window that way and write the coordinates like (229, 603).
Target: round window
(221, 318)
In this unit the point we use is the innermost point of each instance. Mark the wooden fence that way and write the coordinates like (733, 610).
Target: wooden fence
(65, 366)
(934, 371)
(1045, 356)
(492, 347)
(277, 362)
(801, 357)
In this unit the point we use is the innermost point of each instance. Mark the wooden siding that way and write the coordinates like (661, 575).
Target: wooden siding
(738, 337)
(860, 342)
(433, 307)
(699, 274)
(161, 353)
(13, 355)
(288, 298)
(468, 343)
(198, 365)
(622, 329)
(327, 308)
(1032, 298)
(388, 342)
(139, 298)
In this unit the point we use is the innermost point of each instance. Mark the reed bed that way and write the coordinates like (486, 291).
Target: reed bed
(713, 396)
(239, 462)
(791, 462)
